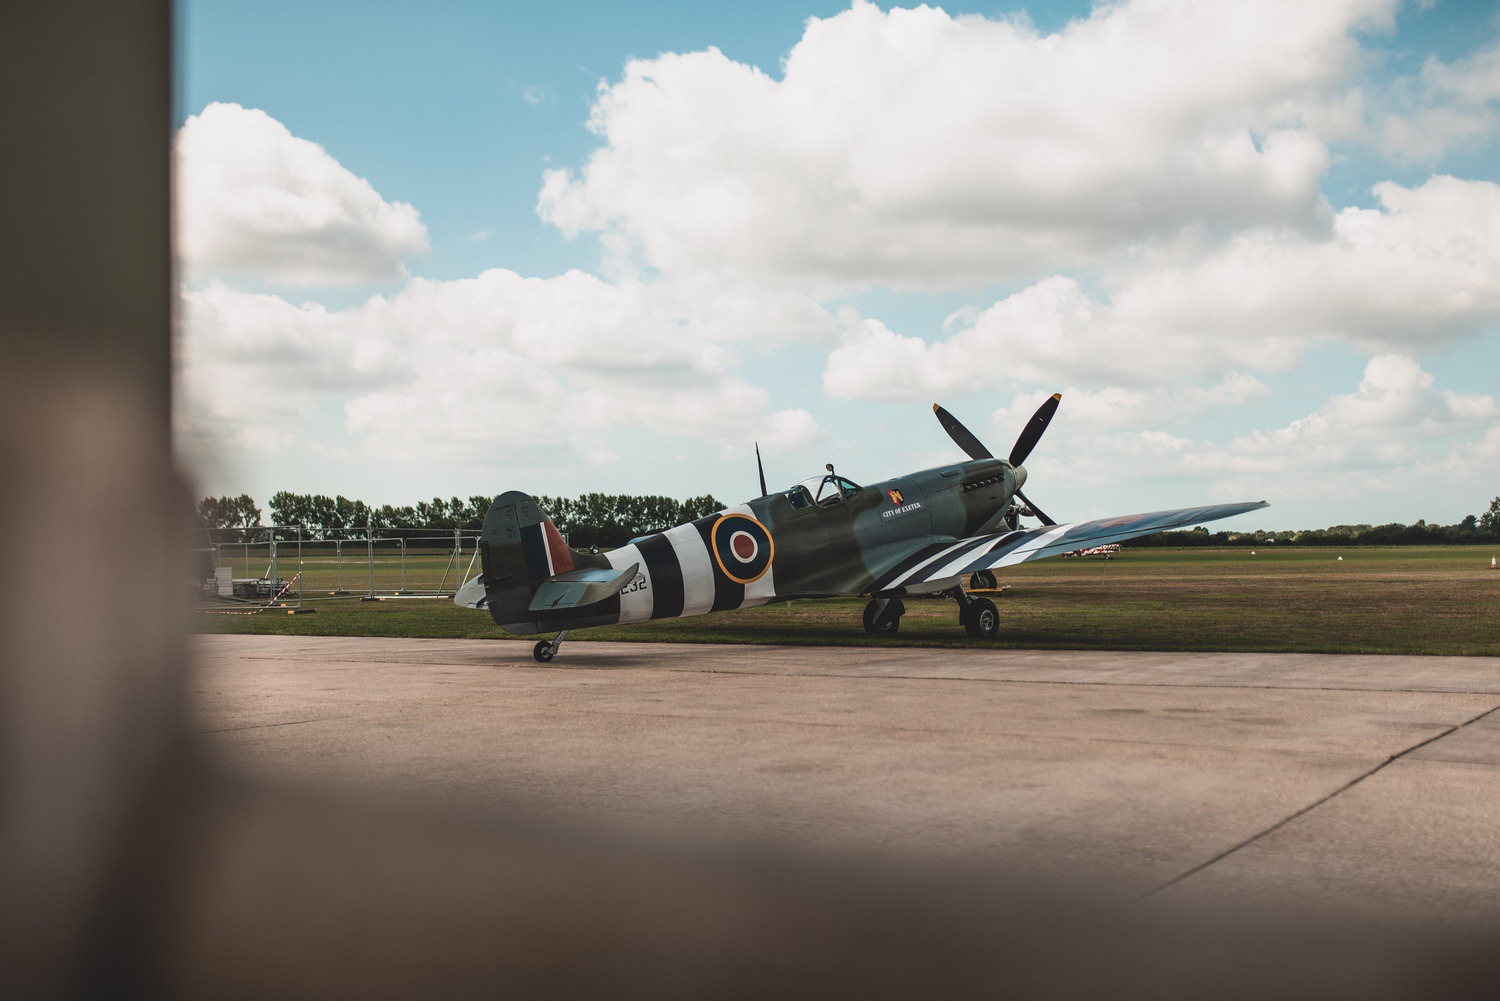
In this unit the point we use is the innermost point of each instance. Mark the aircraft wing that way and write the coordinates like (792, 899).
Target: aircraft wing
(943, 560)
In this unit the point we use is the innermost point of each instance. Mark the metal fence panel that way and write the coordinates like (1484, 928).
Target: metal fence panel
(426, 562)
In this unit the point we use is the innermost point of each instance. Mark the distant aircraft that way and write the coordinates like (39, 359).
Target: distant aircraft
(1108, 552)
(824, 537)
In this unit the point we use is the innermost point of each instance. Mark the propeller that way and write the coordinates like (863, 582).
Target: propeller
(1041, 515)
(1032, 432)
(1030, 435)
(962, 436)
(762, 470)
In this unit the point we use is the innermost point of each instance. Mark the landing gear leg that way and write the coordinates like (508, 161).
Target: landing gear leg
(980, 617)
(547, 649)
(883, 616)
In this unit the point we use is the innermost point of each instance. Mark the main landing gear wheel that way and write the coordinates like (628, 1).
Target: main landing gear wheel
(981, 619)
(883, 616)
(982, 580)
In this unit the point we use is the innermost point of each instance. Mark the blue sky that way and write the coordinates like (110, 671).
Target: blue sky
(726, 323)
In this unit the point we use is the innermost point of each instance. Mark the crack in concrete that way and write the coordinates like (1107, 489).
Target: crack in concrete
(1315, 804)
(262, 726)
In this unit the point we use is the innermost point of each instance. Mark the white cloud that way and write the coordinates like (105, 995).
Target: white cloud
(255, 200)
(1444, 105)
(486, 368)
(1116, 407)
(1396, 407)
(918, 148)
(1422, 271)
(1361, 451)
(1396, 434)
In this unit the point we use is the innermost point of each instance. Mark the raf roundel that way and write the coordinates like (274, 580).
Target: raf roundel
(743, 548)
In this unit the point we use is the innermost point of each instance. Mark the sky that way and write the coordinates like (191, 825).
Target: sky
(454, 249)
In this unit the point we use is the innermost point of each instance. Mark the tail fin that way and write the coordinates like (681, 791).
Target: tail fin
(520, 540)
(520, 551)
(519, 547)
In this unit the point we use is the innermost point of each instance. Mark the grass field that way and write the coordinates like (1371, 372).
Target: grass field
(1420, 600)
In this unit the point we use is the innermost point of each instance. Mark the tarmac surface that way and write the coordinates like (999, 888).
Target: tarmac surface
(1324, 783)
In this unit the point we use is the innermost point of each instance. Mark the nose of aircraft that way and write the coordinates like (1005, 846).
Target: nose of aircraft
(1020, 472)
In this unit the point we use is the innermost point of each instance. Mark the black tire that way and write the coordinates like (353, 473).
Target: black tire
(542, 652)
(982, 580)
(888, 623)
(981, 619)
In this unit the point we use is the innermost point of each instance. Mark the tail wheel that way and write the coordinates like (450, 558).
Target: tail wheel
(543, 651)
(982, 580)
(884, 621)
(982, 619)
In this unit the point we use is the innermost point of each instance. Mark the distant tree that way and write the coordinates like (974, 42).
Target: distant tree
(475, 511)
(228, 512)
(389, 517)
(289, 510)
(611, 520)
(350, 515)
(1489, 522)
(698, 507)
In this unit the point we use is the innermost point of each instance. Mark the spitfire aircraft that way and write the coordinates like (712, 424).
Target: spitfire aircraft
(827, 536)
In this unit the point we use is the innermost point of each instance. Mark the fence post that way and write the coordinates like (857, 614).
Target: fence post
(273, 571)
(403, 567)
(370, 552)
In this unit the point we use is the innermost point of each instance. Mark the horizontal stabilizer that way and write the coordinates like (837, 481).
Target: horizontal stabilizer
(577, 588)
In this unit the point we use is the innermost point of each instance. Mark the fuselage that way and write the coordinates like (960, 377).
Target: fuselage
(794, 544)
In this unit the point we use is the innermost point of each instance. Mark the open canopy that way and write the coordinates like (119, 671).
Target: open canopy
(824, 490)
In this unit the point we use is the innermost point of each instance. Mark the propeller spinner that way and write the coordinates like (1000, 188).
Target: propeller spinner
(1030, 435)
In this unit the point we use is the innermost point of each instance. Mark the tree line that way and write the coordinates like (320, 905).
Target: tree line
(592, 519)
(610, 520)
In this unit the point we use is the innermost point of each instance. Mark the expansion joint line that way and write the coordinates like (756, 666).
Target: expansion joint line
(1314, 805)
(264, 726)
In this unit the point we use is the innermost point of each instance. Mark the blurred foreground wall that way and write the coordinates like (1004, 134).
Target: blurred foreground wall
(89, 714)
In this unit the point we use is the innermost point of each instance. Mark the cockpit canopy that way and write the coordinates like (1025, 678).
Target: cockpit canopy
(824, 491)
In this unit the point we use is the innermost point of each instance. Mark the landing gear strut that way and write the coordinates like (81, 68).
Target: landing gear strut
(883, 616)
(547, 649)
(982, 580)
(980, 617)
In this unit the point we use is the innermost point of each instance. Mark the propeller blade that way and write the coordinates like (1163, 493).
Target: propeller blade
(762, 470)
(962, 436)
(1032, 432)
(1042, 515)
